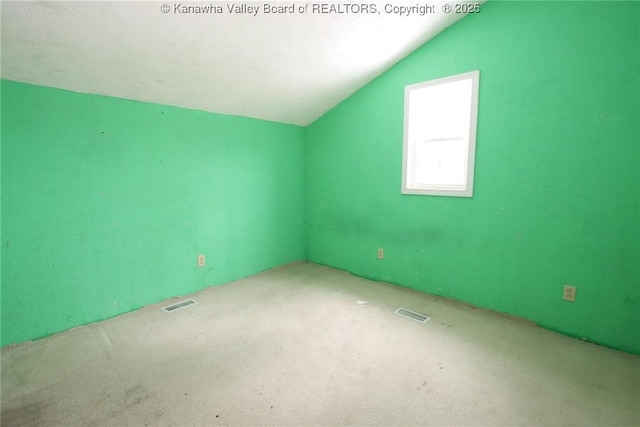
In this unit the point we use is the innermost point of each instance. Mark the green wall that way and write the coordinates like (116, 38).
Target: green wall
(557, 178)
(107, 203)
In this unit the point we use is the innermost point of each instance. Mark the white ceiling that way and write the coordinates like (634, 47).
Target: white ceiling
(284, 68)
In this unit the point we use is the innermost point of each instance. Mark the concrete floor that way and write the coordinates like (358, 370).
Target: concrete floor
(292, 346)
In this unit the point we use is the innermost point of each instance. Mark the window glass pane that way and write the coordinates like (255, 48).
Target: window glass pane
(440, 162)
(440, 111)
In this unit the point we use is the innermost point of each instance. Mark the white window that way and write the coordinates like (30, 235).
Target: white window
(440, 136)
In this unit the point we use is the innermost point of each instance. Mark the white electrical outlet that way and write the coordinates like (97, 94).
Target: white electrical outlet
(569, 293)
(380, 253)
(201, 261)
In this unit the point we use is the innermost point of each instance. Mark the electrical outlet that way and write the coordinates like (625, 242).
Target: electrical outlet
(201, 262)
(569, 293)
(380, 253)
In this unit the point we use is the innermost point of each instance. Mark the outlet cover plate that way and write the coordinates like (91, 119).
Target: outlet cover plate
(569, 293)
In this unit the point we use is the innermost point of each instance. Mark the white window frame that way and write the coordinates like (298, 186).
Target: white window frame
(409, 186)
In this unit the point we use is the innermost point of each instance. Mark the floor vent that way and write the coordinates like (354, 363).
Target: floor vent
(412, 315)
(178, 305)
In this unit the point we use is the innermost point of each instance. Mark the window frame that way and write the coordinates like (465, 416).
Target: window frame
(442, 189)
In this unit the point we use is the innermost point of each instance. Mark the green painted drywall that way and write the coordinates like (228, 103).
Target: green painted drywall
(108, 202)
(556, 181)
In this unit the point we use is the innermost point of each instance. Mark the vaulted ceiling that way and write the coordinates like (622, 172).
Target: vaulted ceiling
(283, 61)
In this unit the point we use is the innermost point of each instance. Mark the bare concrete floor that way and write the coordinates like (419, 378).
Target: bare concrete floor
(292, 346)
